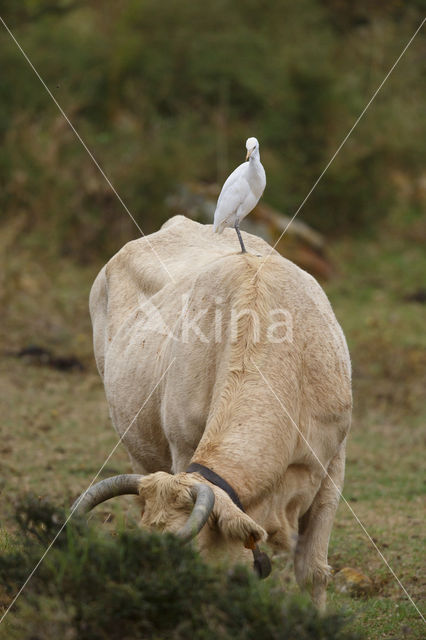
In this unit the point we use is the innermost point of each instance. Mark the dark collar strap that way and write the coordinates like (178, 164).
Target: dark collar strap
(217, 480)
(262, 563)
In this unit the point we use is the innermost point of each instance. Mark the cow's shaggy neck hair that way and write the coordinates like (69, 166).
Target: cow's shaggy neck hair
(251, 303)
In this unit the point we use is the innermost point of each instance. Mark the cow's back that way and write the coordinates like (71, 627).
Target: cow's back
(142, 305)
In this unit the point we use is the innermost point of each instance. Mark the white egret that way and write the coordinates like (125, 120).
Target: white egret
(241, 192)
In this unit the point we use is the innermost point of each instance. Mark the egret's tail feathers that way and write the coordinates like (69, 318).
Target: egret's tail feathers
(219, 227)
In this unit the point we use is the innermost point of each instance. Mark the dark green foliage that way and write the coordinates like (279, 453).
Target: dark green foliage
(135, 585)
(166, 92)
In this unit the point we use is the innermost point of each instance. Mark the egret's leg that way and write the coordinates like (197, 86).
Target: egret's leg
(237, 229)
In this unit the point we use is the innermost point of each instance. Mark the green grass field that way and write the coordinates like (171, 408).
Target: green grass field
(55, 432)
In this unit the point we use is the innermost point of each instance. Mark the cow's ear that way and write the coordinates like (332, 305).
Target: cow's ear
(234, 523)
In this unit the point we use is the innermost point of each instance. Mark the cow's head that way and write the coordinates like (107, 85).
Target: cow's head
(183, 505)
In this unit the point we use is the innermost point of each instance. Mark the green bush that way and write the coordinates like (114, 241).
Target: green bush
(166, 92)
(132, 585)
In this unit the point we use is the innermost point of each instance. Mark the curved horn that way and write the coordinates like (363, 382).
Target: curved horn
(124, 484)
(204, 502)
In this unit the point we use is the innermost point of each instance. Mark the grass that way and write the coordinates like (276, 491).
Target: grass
(55, 432)
(384, 483)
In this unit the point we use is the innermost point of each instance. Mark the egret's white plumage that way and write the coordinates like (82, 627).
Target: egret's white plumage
(241, 192)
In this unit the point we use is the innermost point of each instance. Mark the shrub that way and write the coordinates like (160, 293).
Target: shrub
(133, 585)
(166, 93)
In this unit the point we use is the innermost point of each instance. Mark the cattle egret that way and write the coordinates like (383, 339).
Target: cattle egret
(241, 192)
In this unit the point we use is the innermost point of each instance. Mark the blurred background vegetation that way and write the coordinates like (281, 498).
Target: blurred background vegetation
(165, 94)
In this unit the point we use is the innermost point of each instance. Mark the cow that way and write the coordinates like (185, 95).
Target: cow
(228, 380)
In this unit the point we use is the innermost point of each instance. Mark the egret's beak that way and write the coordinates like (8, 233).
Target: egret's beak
(249, 152)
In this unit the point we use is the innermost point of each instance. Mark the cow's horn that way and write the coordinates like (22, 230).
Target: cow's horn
(124, 484)
(204, 502)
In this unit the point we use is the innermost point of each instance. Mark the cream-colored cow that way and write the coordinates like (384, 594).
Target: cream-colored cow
(236, 363)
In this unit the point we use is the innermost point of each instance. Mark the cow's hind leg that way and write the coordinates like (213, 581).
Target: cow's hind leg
(310, 560)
